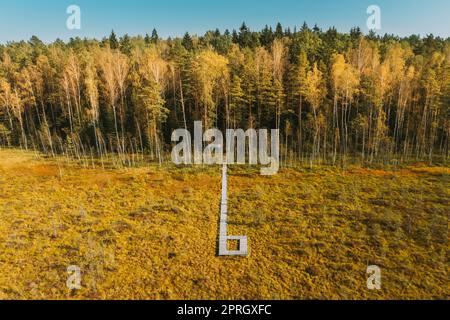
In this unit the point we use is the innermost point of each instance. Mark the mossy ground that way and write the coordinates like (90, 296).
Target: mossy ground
(150, 233)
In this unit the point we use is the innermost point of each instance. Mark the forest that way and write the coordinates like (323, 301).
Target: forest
(334, 96)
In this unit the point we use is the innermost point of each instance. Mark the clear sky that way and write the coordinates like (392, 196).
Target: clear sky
(20, 19)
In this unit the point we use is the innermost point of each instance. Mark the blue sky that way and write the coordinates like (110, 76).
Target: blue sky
(20, 19)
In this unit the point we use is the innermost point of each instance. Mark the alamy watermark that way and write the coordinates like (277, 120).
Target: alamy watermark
(73, 22)
(74, 277)
(374, 20)
(236, 150)
(374, 279)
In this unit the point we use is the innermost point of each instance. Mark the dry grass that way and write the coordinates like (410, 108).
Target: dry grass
(150, 233)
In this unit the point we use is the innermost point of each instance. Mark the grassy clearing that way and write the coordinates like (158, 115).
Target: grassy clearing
(150, 233)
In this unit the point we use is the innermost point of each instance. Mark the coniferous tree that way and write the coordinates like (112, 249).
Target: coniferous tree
(113, 43)
(155, 38)
(187, 42)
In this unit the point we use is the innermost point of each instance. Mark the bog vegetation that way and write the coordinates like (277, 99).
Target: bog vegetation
(332, 95)
(151, 233)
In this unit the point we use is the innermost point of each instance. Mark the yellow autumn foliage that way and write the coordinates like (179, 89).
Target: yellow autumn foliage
(151, 232)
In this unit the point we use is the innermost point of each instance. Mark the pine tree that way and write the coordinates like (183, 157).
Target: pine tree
(113, 43)
(155, 38)
(279, 31)
(147, 39)
(125, 45)
(187, 42)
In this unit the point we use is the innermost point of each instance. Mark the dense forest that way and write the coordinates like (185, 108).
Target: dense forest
(334, 96)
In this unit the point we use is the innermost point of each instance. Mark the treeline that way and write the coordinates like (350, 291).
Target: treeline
(332, 95)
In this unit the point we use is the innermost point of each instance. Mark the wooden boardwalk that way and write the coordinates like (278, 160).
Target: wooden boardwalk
(223, 237)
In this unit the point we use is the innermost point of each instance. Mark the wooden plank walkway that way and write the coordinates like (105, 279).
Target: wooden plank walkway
(223, 237)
